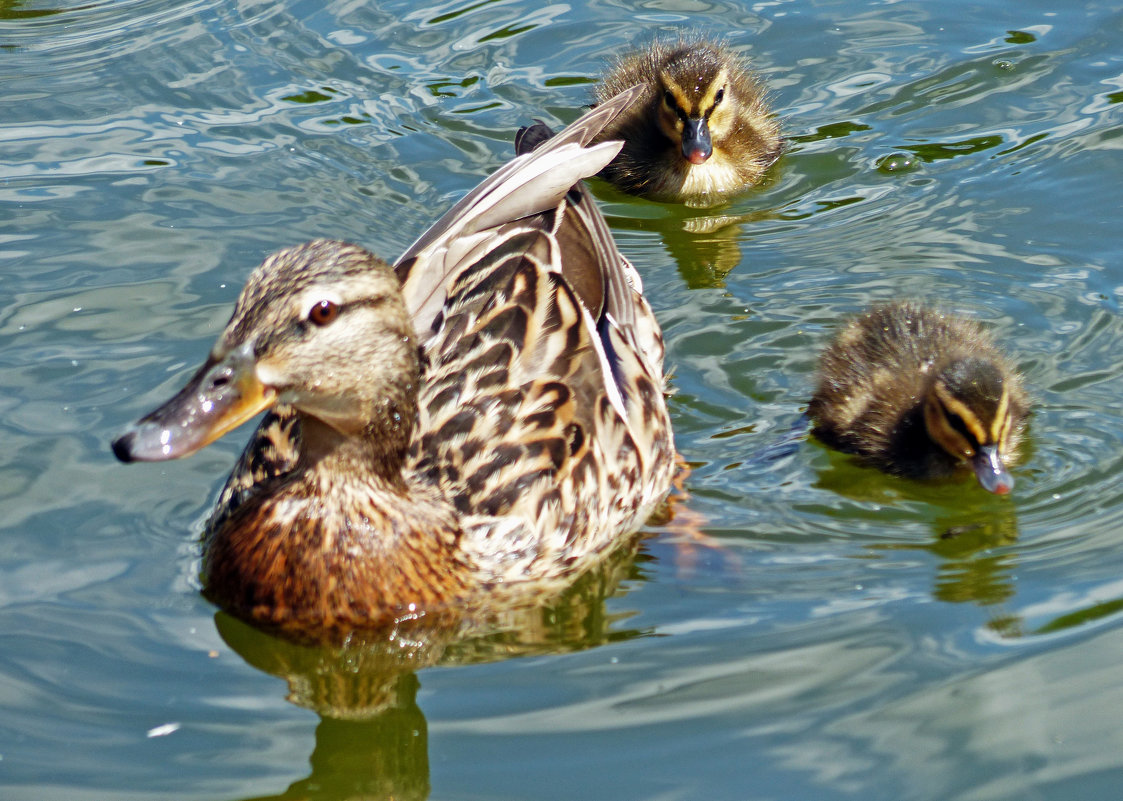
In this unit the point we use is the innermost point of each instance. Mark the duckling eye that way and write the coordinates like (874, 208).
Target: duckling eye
(669, 99)
(323, 313)
(958, 425)
(719, 96)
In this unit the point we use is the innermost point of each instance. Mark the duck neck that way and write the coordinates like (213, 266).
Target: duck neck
(345, 541)
(376, 457)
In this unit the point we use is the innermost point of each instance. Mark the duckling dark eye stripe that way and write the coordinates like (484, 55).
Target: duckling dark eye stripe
(674, 100)
(953, 406)
(709, 100)
(959, 427)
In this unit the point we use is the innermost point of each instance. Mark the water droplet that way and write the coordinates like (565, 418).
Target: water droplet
(897, 162)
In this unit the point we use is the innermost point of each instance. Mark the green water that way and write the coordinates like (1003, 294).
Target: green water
(841, 634)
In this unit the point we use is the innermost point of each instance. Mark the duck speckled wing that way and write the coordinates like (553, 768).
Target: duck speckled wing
(493, 415)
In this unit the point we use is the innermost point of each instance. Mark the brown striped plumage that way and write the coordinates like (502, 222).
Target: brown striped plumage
(491, 417)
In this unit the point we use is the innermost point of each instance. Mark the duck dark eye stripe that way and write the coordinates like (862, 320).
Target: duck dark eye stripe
(376, 302)
(306, 325)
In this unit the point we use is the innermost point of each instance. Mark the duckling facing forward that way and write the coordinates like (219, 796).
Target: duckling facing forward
(920, 394)
(700, 132)
(488, 414)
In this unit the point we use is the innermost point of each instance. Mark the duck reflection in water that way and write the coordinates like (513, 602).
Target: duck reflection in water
(372, 739)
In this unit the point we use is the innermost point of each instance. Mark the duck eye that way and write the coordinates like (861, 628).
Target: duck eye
(719, 96)
(669, 99)
(323, 312)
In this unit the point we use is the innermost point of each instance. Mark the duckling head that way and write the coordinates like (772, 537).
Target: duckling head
(695, 83)
(703, 130)
(321, 327)
(969, 413)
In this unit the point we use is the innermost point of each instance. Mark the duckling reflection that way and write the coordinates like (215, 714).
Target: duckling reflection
(700, 132)
(921, 394)
(708, 248)
(969, 534)
(971, 572)
(372, 739)
(973, 567)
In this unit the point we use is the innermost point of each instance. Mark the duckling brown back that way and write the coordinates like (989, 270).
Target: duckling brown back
(908, 390)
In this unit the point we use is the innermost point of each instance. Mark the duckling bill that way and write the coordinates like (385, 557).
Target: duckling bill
(921, 394)
(702, 130)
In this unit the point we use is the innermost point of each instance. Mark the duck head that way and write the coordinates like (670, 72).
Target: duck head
(320, 327)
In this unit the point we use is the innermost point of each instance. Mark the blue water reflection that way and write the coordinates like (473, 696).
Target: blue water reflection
(840, 633)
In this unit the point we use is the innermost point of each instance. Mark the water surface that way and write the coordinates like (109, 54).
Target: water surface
(840, 633)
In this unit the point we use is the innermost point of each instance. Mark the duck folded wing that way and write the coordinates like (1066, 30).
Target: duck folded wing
(529, 185)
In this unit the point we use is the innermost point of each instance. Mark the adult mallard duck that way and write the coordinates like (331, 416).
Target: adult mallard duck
(701, 130)
(488, 413)
(921, 394)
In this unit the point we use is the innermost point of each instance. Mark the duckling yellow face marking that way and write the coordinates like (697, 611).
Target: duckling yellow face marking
(722, 114)
(958, 428)
(688, 109)
(1003, 421)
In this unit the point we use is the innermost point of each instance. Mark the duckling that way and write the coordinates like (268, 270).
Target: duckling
(702, 130)
(920, 394)
(487, 415)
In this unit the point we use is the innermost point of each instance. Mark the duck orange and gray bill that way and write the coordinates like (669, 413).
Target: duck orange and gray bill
(220, 397)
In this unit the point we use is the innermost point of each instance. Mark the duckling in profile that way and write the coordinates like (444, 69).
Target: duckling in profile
(920, 394)
(700, 132)
(487, 415)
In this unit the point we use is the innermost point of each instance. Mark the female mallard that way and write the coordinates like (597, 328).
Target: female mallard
(919, 394)
(488, 412)
(701, 130)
